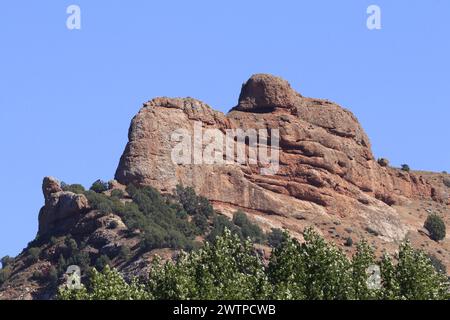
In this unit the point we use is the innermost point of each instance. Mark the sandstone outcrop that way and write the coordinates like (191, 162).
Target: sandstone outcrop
(61, 210)
(327, 178)
(326, 166)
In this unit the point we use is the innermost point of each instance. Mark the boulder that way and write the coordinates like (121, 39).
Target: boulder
(62, 209)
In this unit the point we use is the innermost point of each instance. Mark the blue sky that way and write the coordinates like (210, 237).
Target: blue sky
(67, 97)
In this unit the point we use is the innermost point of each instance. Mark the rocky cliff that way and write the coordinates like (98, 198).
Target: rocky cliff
(327, 170)
(324, 174)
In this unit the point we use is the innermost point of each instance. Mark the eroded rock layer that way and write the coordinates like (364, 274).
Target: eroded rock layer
(326, 166)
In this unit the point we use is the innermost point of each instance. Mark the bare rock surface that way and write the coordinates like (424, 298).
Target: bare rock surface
(327, 177)
(62, 209)
(326, 163)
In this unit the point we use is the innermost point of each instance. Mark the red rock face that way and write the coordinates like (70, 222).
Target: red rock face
(326, 166)
(61, 210)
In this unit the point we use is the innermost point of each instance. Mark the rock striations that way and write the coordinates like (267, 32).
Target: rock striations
(326, 163)
(326, 177)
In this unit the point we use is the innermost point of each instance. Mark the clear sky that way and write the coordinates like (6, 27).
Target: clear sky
(67, 96)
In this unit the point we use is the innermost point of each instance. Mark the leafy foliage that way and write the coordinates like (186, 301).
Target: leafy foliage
(275, 237)
(416, 277)
(116, 193)
(435, 226)
(438, 265)
(102, 262)
(106, 285)
(247, 228)
(192, 203)
(4, 274)
(226, 269)
(405, 167)
(75, 188)
(361, 261)
(33, 254)
(99, 186)
(220, 224)
(6, 261)
(383, 162)
(230, 268)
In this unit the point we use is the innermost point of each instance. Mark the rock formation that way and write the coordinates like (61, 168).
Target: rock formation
(61, 210)
(327, 178)
(326, 163)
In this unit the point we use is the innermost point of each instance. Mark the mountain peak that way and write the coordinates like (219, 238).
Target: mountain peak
(265, 92)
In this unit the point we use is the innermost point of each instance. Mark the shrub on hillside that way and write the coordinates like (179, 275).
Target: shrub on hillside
(71, 246)
(106, 285)
(438, 264)
(103, 203)
(81, 259)
(33, 254)
(435, 226)
(4, 274)
(102, 261)
(201, 222)
(75, 188)
(158, 218)
(248, 229)
(6, 261)
(117, 193)
(99, 186)
(124, 252)
(276, 237)
(220, 224)
(446, 182)
(230, 269)
(348, 242)
(192, 203)
(405, 167)
(383, 162)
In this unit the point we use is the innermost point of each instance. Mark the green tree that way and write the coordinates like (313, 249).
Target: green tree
(287, 270)
(102, 262)
(99, 186)
(125, 252)
(229, 268)
(5, 273)
(248, 229)
(6, 261)
(71, 246)
(416, 276)
(106, 285)
(362, 260)
(435, 226)
(117, 193)
(276, 237)
(405, 167)
(33, 254)
(226, 269)
(313, 270)
(192, 203)
(390, 286)
(52, 277)
(75, 188)
(327, 269)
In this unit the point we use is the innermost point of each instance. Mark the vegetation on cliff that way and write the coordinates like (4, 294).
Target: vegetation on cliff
(230, 268)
